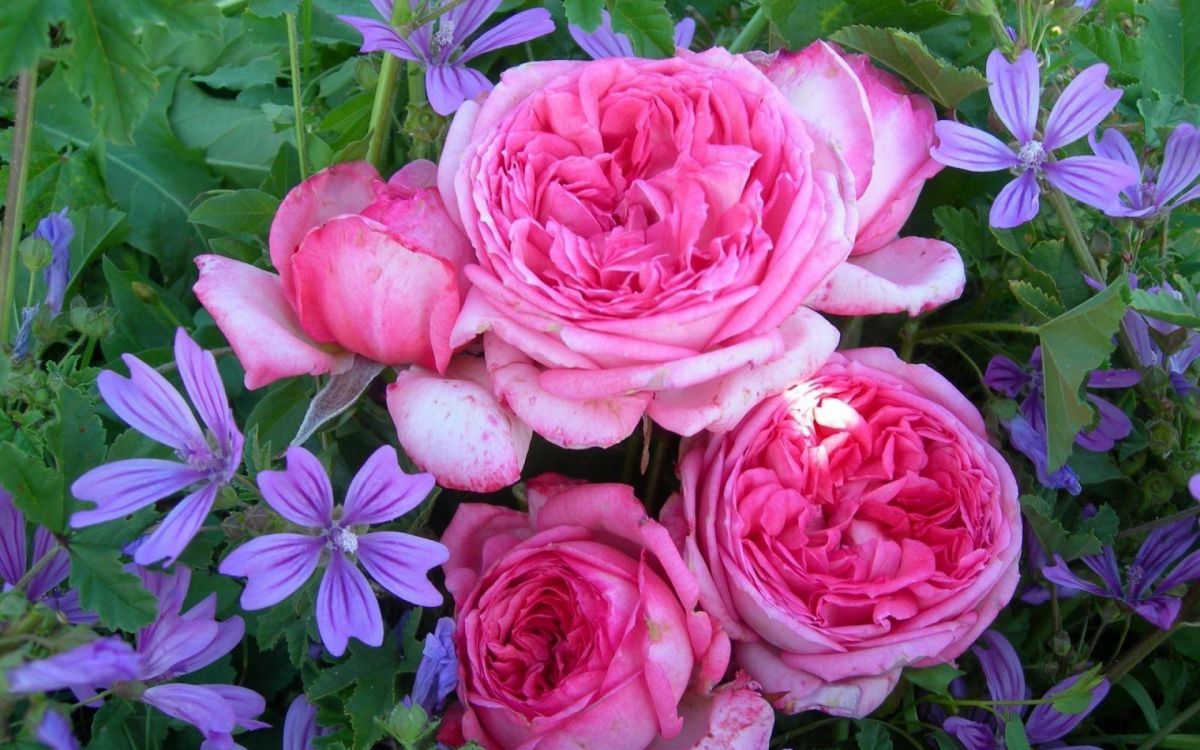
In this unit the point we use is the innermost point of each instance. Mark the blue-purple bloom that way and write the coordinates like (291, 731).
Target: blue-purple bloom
(99, 662)
(604, 42)
(57, 230)
(54, 731)
(437, 675)
(1142, 591)
(435, 45)
(1016, 91)
(1027, 430)
(300, 727)
(984, 730)
(208, 458)
(1148, 351)
(14, 564)
(1155, 191)
(278, 564)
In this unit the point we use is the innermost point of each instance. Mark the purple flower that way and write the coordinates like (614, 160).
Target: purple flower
(448, 81)
(1148, 351)
(14, 563)
(1142, 591)
(102, 661)
(57, 230)
(1155, 190)
(1015, 91)
(604, 42)
(1005, 680)
(208, 458)
(278, 564)
(54, 731)
(437, 675)
(1027, 430)
(300, 725)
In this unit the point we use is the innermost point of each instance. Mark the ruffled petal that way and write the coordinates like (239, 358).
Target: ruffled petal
(1001, 669)
(1181, 162)
(526, 25)
(151, 405)
(448, 86)
(202, 381)
(911, 274)
(1091, 179)
(13, 559)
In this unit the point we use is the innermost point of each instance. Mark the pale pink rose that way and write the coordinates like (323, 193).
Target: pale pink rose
(646, 232)
(454, 428)
(884, 132)
(365, 267)
(854, 525)
(578, 627)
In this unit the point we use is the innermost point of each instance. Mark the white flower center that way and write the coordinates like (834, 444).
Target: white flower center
(342, 539)
(445, 34)
(1032, 155)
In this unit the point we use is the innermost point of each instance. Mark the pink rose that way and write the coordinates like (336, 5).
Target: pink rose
(854, 525)
(578, 627)
(646, 232)
(884, 133)
(365, 267)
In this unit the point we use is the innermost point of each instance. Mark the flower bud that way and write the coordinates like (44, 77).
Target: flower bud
(1157, 487)
(1060, 644)
(35, 253)
(1161, 437)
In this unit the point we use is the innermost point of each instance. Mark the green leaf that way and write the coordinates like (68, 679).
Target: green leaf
(124, 725)
(1049, 260)
(261, 70)
(905, 53)
(1050, 523)
(281, 412)
(963, 228)
(647, 23)
(1141, 697)
(237, 211)
(934, 679)
(1122, 52)
(584, 13)
(370, 674)
(272, 8)
(77, 438)
(97, 228)
(872, 735)
(1014, 733)
(25, 32)
(119, 598)
(1171, 46)
(1164, 306)
(37, 490)
(141, 322)
(106, 65)
(238, 140)
(1042, 306)
(1074, 344)
(801, 22)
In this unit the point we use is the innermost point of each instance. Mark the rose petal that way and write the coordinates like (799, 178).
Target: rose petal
(911, 274)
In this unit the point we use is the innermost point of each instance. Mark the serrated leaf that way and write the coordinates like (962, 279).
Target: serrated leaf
(1164, 306)
(25, 32)
(371, 673)
(801, 22)
(106, 65)
(1042, 306)
(934, 679)
(237, 211)
(584, 13)
(1086, 537)
(77, 439)
(124, 725)
(963, 228)
(647, 23)
(1050, 266)
(1171, 47)
(119, 598)
(1074, 344)
(37, 490)
(872, 735)
(907, 55)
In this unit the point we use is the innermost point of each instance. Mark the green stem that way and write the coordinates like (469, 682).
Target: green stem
(98, 696)
(1151, 525)
(385, 95)
(749, 36)
(294, 59)
(1074, 235)
(36, 568)
(1144, 647)
(1170, 727)
(926, 333)
(14, 200)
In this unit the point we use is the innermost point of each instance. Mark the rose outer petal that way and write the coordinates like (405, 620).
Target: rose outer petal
(912, 274)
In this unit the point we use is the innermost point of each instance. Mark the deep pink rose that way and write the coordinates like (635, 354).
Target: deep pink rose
(854, 525)
(578, 628)
(646, 232)
(365, 267)
(884, 132)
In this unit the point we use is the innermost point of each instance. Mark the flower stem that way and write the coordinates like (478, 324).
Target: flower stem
(749, 36)
(38, 566)
(1170, 727)
(14, 201)
(926, 333)
(385, 95)
(1144, 647)
(294, 59)
(1151, 525)
(97, 697)
(1083, 256)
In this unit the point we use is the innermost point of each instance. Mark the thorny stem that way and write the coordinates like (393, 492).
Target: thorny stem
(14, 200)
(294, 59)
(749, 36)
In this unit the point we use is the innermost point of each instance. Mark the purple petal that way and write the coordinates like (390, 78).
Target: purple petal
(301, 493)
(1162, 546)
(67, 604)
(169, 588)
(55, 572)
(1194, 486)
(1083, 104)
(229, 634)
(13, 558)
(1185, 572)
(120, 488)
(1113, 378)
(151, 405)
(1090, 179)
(603, 42)
(685, 30)
(1016, 203)
(448, 86)
(1060, 573)
(1181, 162)
(1114, 425)
(177, 530)
(971, 149)
(58, 230)
(300, 725)
(1046, 723)
(246, 704)
(1015, 90)
(972, 734)
(1032, 443)
(467, 17)
(1001, 668)
(202, 381)
(1006, 376)
(1187, 197)
(1159, 611)
(274, 566)
(526, 25)
(437, 674)
(54, 731)
(381, 491)
(1104, 564)
(100, 662)
(380, 36)
(195, 704)
(1114, 146)
(401, 562)
(384, 8)
(172, 641)
(346, 607)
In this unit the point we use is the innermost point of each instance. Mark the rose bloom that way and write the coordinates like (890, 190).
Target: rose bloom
(366, 267)
(854, 525)
(577, 627)
(646, 232)
(884, 132)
